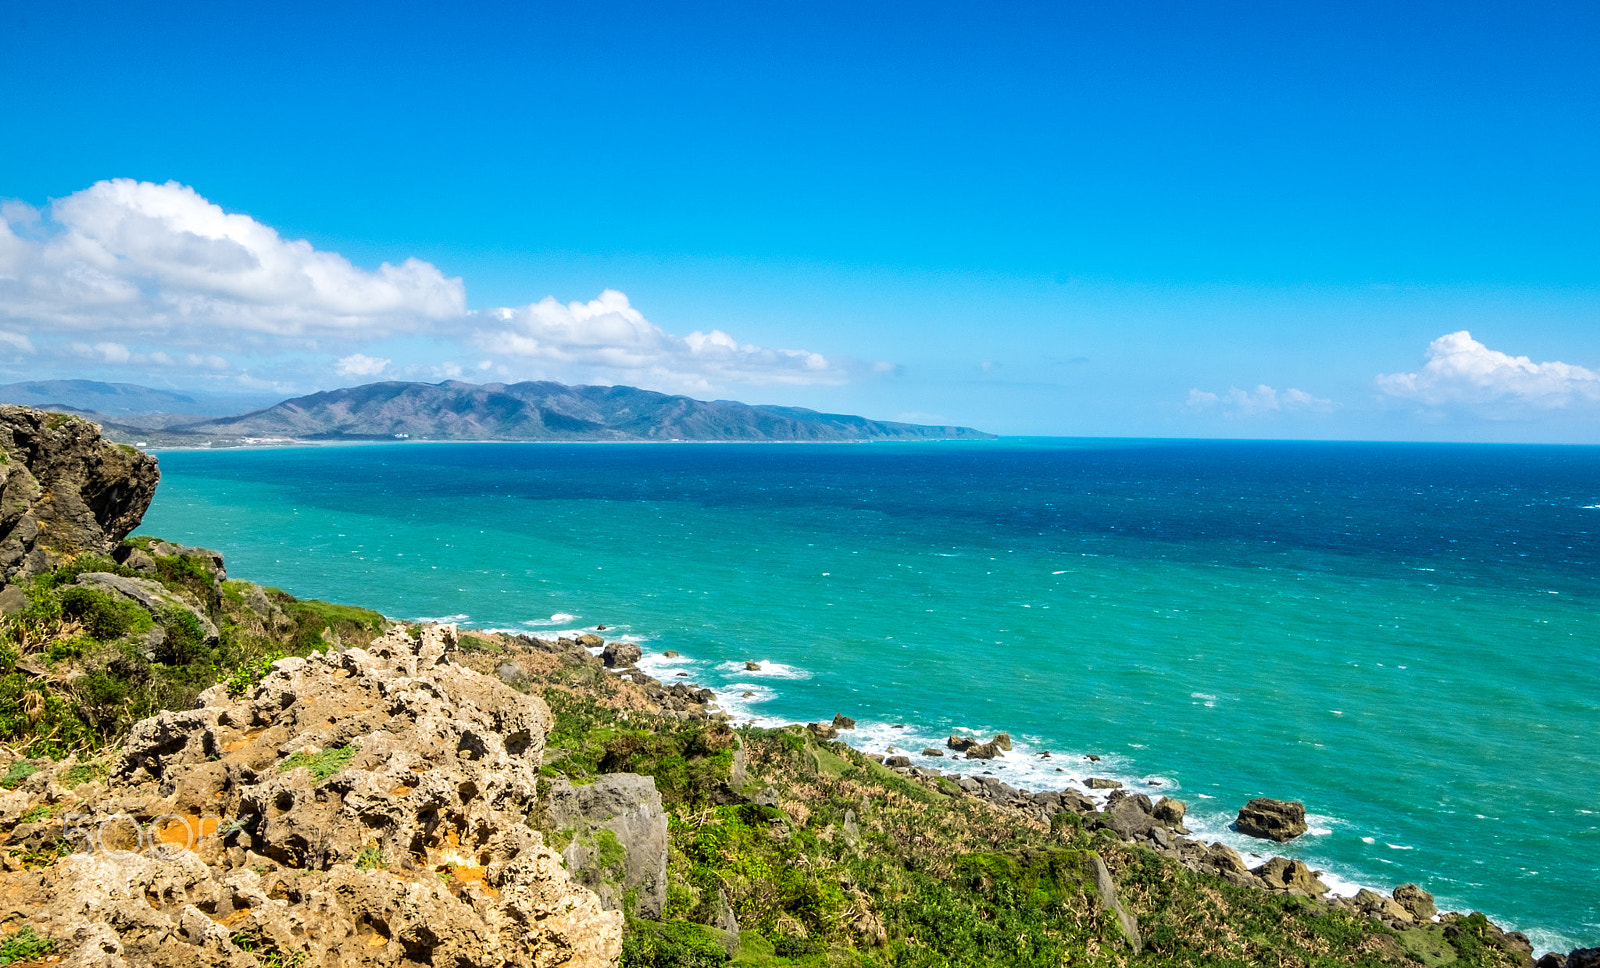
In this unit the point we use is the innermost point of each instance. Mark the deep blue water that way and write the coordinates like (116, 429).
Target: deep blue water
(1402, 636)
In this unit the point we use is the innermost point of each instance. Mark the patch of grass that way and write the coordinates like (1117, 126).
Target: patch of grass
(674, 945)
(370, 858)
(43, 811)
(322, 764)
(613, 856)
(25, 944)
(81, 773)
(18, 772)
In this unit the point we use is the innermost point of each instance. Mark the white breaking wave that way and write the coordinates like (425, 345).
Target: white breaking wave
(764, 667)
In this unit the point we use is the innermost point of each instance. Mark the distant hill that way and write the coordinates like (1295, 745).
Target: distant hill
(121, 401)
(544, 411)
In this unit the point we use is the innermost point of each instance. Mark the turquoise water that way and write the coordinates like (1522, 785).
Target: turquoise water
(1402, 636)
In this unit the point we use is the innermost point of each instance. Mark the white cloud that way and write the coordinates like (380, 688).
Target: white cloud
(1262, 400)
(16, 341)
(162, 261)
(1459, 372)
(358, 364)
(127, 273)
(607, 338)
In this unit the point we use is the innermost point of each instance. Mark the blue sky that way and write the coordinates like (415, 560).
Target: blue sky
(1134, 219)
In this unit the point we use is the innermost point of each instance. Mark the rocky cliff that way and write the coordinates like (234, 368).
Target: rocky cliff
(64, 491)
(362, 807)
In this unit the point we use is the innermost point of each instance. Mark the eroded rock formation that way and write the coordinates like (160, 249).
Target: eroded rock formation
(65, 491)
(366, 807)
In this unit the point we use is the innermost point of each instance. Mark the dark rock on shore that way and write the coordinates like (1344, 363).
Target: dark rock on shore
(618, 655)
(841, 721)
(1099, 783)
(1290, 875)
(1170, 812)
(1417, 902)
(65, 491)
(1270, 819)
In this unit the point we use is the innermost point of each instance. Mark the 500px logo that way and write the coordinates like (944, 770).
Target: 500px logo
(165, 836)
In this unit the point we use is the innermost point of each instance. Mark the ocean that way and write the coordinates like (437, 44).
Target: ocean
(1402, 636)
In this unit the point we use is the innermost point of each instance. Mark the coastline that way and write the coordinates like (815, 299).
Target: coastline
(1046, 789)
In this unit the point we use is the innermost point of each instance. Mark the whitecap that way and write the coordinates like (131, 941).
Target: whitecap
(1368, 840)
(559, 618)
(1398, 847)
(444, 618)
(766, 667)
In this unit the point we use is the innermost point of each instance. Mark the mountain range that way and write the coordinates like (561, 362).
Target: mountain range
(454, 410)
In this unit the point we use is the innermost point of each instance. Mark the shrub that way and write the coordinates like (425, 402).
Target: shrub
(24, 945)
(103, 617)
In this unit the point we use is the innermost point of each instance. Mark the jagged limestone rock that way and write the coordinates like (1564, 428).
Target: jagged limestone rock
(365, 807)
(64, 491)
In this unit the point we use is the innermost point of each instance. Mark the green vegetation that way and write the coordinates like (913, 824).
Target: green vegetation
(94, 663)
(322, 764)
(25, 944)
(16, 773)
(922, 876)
(83, 772)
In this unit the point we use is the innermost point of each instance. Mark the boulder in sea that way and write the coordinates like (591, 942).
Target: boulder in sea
(1170, 812)
(752, 666)
(1290, 876)
(1003, 741)
(960, 743)
(1271, 819)
(670, 654)
(983, 751)
(930, 751)
(1284, 874)
(1100, 783)
(620, 655)
(590, 641)
(841, 721)
(1415, 900)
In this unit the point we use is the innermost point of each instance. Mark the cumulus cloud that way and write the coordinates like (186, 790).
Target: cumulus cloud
(127, 273)
(608, 337)
(358, 364)
(1458, 372)
(1262, 400)
(162, 261)
(16, 341)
